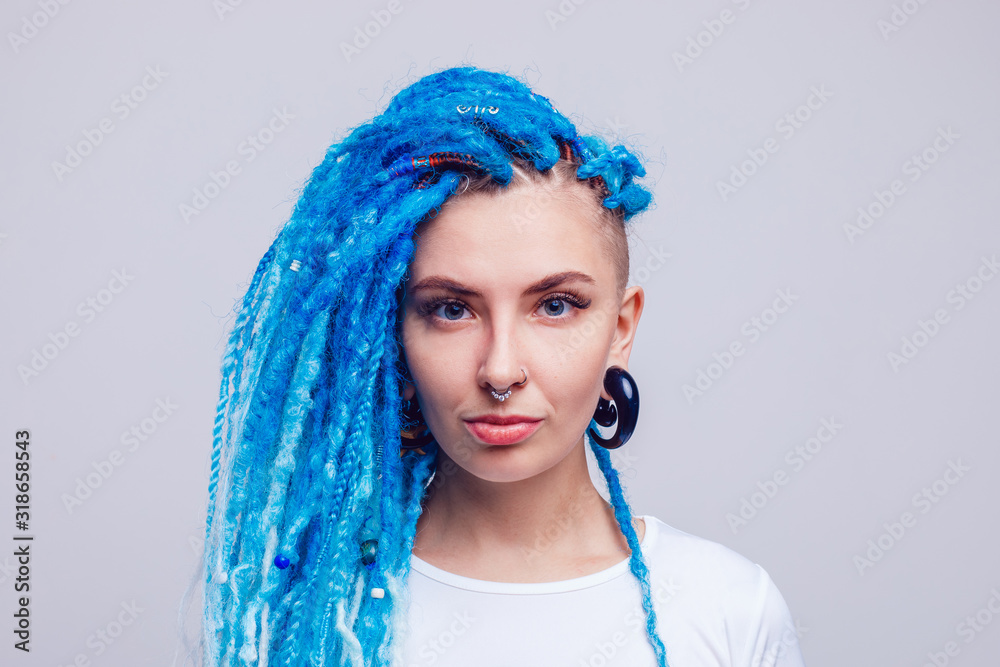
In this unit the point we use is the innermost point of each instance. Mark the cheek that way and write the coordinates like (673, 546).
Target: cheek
(586, 345)
(440, 370)
(573, 373)
(435, 359)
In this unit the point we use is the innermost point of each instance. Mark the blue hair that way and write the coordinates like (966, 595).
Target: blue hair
(306, 462)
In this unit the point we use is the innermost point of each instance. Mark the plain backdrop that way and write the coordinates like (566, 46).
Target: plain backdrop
(825, 178)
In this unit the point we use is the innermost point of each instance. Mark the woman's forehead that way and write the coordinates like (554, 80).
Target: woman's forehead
(528, 229)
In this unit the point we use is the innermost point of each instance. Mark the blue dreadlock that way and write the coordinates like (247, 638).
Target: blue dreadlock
(306, 456)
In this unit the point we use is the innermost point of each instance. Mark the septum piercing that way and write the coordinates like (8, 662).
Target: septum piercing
(500, 397)
(506, 394)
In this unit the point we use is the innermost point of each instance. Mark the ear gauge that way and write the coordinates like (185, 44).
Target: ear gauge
(417, 436)
(623, 389)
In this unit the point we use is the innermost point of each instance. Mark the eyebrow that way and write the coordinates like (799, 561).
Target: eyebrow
(543, 285)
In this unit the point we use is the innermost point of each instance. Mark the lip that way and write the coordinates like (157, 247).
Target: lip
(502, 430)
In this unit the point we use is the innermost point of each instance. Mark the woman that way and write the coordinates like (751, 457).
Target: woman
(399, 474)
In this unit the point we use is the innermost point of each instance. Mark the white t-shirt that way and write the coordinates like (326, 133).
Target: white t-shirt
(713, 607)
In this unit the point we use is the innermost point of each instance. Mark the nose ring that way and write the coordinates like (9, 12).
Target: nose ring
(502, 396)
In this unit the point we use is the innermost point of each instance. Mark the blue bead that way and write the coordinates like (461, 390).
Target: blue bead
(281, 562)
(368, 551)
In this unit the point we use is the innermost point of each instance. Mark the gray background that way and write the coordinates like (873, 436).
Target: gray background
(134, 540)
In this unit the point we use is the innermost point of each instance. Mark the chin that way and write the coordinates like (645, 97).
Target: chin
(507, 464)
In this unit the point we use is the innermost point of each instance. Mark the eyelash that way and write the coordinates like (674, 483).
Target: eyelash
(574, 300)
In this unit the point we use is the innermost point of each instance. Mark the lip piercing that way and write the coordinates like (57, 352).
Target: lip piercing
(506, 394)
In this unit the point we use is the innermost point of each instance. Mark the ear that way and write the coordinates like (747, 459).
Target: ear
(625, 327)
(409, 391)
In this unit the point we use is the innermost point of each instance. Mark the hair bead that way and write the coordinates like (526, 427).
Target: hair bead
(369, 548)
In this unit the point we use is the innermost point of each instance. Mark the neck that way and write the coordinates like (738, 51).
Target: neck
(556, 519)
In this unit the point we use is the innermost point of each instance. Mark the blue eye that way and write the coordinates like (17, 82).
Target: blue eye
(450, 308)
(564, 303)
(559, 310)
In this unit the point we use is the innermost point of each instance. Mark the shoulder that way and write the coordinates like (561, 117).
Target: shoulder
(716, 592)
(697, 559)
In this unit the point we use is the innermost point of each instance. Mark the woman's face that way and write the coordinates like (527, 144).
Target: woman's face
(506, 285)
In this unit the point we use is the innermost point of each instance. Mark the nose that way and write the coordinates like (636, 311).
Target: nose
(502, 365)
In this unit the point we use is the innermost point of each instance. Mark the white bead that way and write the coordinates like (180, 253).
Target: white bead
(378, 593)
